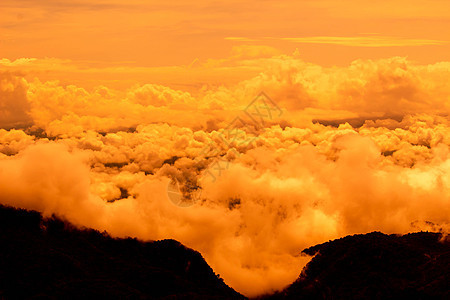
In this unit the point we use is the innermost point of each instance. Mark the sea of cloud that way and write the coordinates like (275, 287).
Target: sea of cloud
(333, 151)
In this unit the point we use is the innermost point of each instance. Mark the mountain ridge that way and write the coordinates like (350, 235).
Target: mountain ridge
(51, 258)
(375, 266)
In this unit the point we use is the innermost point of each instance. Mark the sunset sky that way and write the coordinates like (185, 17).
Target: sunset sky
(155, 33)
(108, 107)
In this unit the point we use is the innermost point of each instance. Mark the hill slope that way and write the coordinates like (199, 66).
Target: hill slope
(51, 258)
(376, 266)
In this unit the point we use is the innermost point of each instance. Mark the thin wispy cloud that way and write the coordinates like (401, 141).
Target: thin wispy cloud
(353, 41)
(370, 41)
(241, 39)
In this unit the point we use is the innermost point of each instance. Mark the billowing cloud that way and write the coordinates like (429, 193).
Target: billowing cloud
(324, 153)
(14, 107)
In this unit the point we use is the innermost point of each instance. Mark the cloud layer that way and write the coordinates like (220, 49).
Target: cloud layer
(333, 151)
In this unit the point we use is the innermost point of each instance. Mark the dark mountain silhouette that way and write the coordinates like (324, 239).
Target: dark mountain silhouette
(375, 266)
(49, 258)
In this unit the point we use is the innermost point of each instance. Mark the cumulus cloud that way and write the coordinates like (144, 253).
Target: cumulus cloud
(14, 106)
(346, 150)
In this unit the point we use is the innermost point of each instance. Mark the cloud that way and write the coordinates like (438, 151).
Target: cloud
(253, 51)
(365, 41)
(240, 39)
(352, 149)
(269, 203)
(374, 41)
(14, 106)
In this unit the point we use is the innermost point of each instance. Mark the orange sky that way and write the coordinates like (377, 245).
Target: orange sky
(158, 33)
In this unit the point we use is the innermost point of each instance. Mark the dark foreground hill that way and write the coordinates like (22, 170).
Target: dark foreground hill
(52, 259)
(376, 266)
(49, 258)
